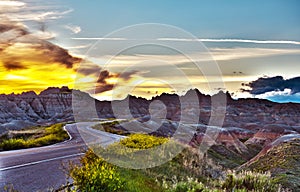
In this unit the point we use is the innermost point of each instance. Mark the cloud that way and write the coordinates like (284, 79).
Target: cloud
(284, 96)
(102, 84)
(107, 80)
(128, 74)
(203, 40)
(79, 46)
(34, 61)
(234, 41)
(88, 68)
(95, 79)
(218, 54)
(11, 6)
(15, 36)
(101, 38)
(223, 54)
(11, 30)
(75, 29)
(5, 4)
(45, 35)
(36, 12)
(21, 11)
(264, 85)
(100, 88)
(57, 54)
(13, 65)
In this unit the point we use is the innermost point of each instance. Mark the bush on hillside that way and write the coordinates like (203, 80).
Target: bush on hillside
(95, 174)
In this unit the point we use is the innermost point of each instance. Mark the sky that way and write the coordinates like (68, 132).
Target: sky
(168, 46)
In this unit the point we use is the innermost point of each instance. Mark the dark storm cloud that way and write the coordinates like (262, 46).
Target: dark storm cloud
(268, 84)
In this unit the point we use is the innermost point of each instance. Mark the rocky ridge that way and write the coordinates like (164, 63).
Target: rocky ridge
(247, 122)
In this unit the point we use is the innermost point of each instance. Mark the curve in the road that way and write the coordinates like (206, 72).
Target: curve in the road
(37, 169)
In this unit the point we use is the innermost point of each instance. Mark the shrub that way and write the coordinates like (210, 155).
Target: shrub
(95, 174)
(137, 150)
(250, 181)
(142, 141)
(241, 182)
(57, 130)
(11, 144)
(9, 188)
(190, 186)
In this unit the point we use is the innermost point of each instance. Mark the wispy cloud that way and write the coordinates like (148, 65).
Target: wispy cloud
(79, 46)
(100, 38)
(44, 35)
(19, 11)
(37, 12)
(223, 54)
(201, 40)
(35, 15)
(234, 41)
(74, 28)
(218, 54)
(11, 3)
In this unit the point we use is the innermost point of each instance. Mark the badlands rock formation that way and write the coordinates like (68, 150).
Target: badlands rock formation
(246, 121)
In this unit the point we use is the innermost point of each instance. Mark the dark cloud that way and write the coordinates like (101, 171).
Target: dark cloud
(8, 26)
(128, 74)
(58, 54)
(102, 85)
(13, 65)
(9, 32)
(100, 88)
(89, 69)
(268, 84)
(12, 33)
(103, 76)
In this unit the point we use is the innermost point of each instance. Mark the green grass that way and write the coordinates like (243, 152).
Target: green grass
(136, 181)
(34, 137)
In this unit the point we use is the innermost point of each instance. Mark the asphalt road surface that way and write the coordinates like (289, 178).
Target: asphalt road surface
(40, 169)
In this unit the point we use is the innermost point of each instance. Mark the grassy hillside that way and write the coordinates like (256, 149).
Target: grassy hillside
(283, 161)
(187, 172)
(33, 137)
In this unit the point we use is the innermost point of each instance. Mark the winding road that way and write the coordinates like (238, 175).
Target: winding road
(41, 168)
